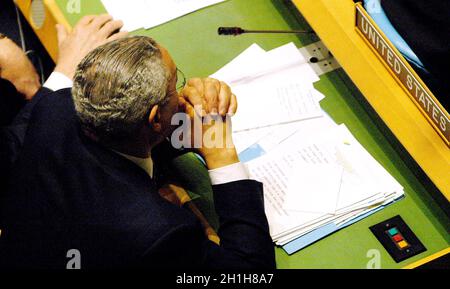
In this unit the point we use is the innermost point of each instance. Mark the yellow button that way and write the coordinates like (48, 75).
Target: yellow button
(402, 244)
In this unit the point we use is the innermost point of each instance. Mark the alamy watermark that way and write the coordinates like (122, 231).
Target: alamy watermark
(73, 6)
(374, 259)
(210, 131)
(74, 262)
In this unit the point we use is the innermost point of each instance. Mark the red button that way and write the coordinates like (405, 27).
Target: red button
(397, 238)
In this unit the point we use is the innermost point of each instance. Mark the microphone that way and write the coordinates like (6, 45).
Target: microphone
(235, 31)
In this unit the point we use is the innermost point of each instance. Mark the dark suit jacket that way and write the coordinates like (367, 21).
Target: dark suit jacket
(67, 192)
(10, 102)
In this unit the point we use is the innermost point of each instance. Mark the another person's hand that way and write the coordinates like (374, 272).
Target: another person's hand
(89, 33)
(18, 69)
(217, 103)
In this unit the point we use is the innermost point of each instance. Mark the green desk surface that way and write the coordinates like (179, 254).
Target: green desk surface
(199, 51)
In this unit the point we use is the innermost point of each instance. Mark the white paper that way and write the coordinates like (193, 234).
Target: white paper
(242, 65)
(268, 138)
(162, 11)
(273, 87)
(313, 188)
(272, 170)
(284, 63)
(264, 103)
(131, 12)
(150, 13)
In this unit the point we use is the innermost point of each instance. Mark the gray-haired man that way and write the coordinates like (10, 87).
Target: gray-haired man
(83, 175)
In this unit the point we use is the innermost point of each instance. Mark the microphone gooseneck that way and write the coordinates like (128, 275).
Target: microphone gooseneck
(235, 31)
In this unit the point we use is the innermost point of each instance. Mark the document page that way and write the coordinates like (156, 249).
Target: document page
(146, 14)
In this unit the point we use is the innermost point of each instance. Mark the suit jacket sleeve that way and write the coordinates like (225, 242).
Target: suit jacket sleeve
(244, 234)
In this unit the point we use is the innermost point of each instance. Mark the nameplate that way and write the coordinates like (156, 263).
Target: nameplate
(403, 73)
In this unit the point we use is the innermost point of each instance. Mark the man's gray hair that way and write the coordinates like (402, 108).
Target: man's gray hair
(116, 85)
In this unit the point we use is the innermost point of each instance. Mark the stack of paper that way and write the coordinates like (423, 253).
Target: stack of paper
(150, 13)
(273, 88)
(317, 177)
(327, 178)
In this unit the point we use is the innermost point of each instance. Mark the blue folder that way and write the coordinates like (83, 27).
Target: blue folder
(322, 232)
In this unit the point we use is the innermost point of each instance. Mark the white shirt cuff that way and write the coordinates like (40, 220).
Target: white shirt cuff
(228, 174)
(58, 81)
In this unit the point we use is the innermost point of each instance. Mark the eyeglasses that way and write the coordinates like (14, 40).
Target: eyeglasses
(181, 79)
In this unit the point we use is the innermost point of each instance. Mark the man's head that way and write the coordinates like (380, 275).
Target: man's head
(125, 91)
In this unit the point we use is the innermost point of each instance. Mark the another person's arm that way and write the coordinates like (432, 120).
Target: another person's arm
(16, 68)
(89, 33)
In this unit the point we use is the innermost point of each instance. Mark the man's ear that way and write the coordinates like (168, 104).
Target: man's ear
(154, 119)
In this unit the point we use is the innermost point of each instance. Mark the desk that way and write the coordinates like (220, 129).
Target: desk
(334, 22)
(198, 51)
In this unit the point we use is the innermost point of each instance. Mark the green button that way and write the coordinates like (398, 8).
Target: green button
(393, 231)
